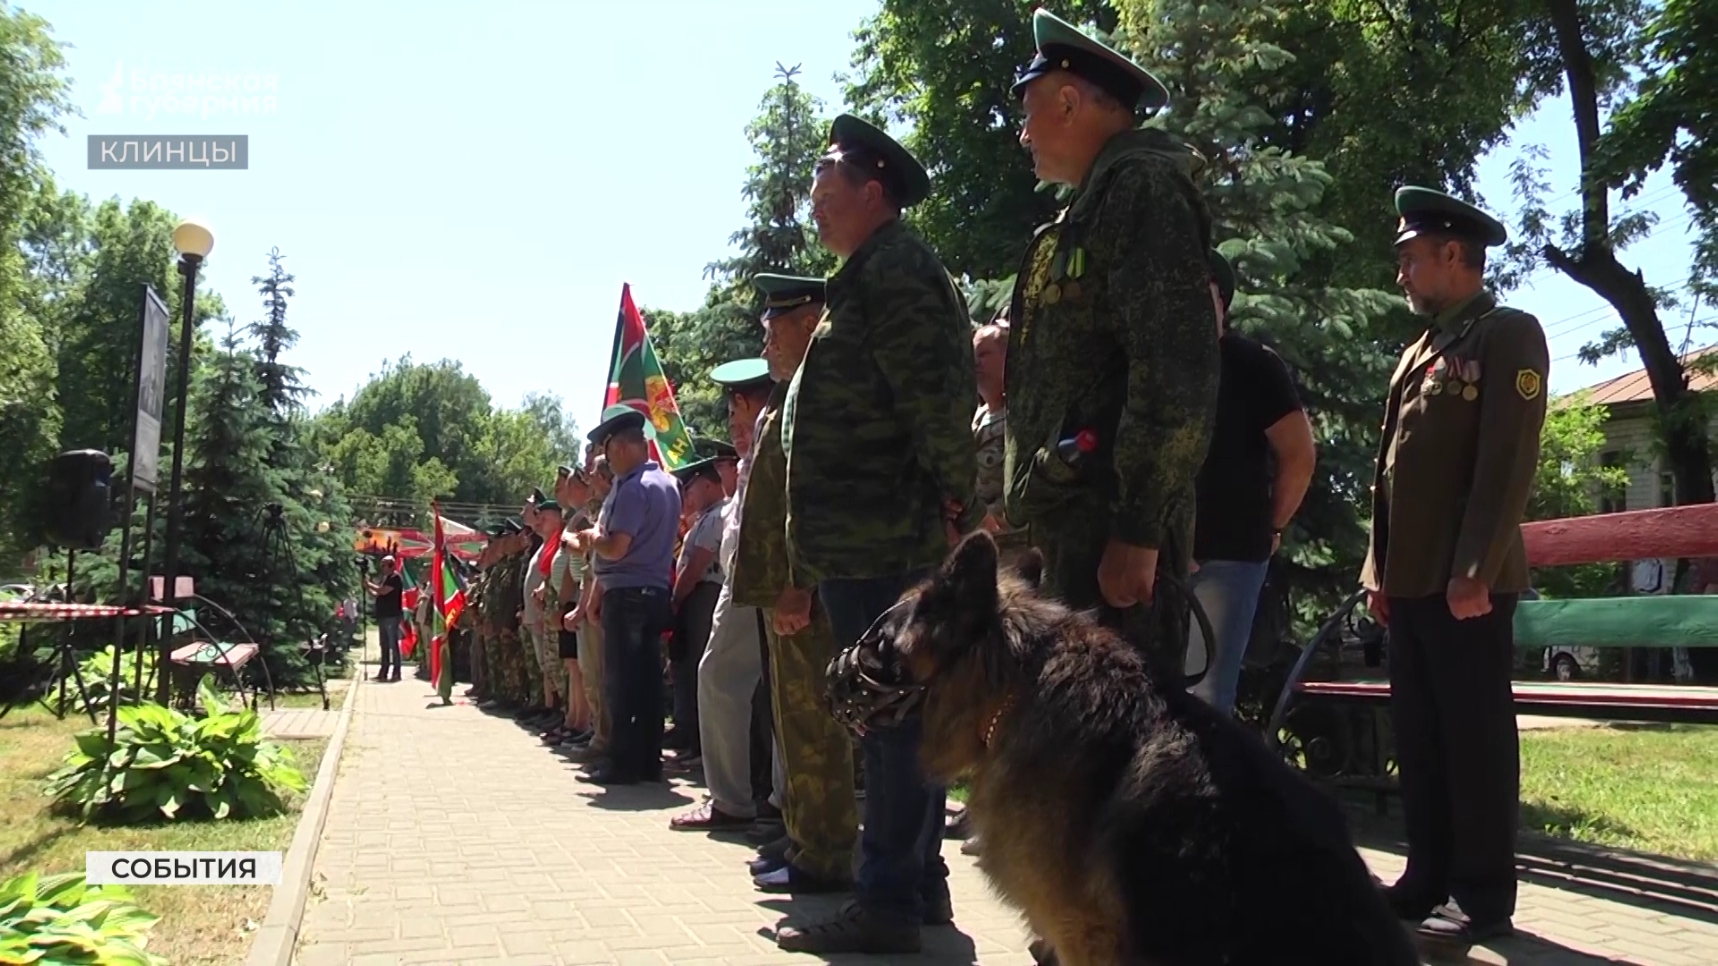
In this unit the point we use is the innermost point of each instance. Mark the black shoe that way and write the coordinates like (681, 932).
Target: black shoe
(1449, 926)
(852, 930)
(939, 907)
(765, 864)
(790, 879)
(764, 831)
(608, 776)
(1407, 904)
(775, 849)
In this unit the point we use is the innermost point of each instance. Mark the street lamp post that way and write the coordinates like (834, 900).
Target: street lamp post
(193, 240)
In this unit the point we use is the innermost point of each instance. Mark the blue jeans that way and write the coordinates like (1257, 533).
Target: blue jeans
(1228, 590)
(633, 619)
(900, 847)
(388, 629)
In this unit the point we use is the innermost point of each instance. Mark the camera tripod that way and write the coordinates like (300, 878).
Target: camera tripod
(66, 664)
(277, 552)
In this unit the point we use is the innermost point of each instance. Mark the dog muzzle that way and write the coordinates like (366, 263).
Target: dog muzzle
(868, 687)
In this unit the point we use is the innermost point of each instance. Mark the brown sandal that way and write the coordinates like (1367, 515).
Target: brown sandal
(707, 818)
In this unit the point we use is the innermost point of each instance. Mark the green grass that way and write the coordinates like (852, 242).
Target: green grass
(200, 925)
(1647, 787)
(1653, 788)
(306, 699)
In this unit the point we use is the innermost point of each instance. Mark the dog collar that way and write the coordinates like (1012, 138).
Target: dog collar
(996, 718)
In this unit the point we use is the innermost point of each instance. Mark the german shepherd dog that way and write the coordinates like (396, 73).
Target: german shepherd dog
(1128, 820)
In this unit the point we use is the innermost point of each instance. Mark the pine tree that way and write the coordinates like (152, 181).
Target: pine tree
(281, 386)
(787, 137)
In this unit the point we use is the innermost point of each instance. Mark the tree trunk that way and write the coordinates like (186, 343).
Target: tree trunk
(1594, 265)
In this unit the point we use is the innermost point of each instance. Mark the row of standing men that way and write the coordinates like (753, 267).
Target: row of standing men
(859, 470)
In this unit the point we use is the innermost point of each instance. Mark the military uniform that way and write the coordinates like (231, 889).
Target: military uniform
(880, 463)
(1114, 336)
(591, 654)
(515, 671)
(1456, 461)
(819, 808)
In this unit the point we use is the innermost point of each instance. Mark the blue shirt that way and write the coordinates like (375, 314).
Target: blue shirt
(645, 505)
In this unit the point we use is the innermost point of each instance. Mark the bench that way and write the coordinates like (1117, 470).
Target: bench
(1657, 621)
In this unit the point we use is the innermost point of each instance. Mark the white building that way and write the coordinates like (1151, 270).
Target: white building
(1631, 439)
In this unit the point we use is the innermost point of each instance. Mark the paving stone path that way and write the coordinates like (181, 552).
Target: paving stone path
(454, 837)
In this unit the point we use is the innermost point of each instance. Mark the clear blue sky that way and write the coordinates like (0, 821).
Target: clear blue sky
(476, 181)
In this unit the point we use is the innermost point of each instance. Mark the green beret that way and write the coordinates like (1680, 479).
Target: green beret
(1424, 210)
(548, 506)
(512, 526)
(1062, 46)
(865, 146)
(784, 293)
(724, 451)
(1223, 274)
(617, 419)
(742, 374)
(537, 496)
(496, 532)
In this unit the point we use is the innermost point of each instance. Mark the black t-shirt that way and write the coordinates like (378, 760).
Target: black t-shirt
(388, 601)
(1235, 482)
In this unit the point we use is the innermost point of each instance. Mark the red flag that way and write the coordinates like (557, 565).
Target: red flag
(636, 380)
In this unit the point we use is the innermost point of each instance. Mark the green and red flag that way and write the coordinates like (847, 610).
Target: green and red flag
(409, 596)
(448, 598)
(636, 380)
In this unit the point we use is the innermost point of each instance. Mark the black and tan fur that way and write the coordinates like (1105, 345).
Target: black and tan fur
(1129, 821)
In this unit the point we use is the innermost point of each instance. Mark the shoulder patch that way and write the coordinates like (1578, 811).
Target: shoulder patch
(1527, 383)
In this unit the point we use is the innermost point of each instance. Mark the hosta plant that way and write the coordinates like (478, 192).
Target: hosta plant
(60, 920)
(97, 672)
(165, 763)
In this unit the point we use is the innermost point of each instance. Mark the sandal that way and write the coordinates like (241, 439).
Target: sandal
(707, 818)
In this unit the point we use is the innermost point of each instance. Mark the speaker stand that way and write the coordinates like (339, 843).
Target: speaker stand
(66, 662)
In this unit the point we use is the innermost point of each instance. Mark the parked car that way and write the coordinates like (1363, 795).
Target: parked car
(1567, 663)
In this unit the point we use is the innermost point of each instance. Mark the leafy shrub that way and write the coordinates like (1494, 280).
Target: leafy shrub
(97, 670)
(180, 766)
(61, 919)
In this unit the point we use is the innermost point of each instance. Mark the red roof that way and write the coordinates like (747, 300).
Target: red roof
(1634, 387)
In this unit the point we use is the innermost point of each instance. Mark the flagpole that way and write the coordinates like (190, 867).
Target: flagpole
(614, 350)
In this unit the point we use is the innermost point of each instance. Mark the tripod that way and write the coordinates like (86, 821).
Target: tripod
(277, 551)
(66, 664)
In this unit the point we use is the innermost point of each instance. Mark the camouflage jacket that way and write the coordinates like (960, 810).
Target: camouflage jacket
(473, 615)
(761, 570)
(503, 595)
(1114, 331)
(875, 425)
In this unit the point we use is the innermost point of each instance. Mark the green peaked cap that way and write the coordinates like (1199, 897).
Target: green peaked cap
(784, 293)
(1425, 210)
(1063, 46)
(616, 418)
(864, 145)
(741, 374)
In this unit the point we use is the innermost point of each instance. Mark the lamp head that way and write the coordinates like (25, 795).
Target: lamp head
(193, 239)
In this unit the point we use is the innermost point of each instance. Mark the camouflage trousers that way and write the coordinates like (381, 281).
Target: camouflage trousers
(546, 658)
(1072, 544)
(479, 662)
(591, 668)
(517, 677)
(818, 807)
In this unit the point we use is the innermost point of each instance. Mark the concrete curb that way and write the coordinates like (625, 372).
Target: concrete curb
(277, 939)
